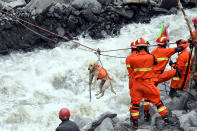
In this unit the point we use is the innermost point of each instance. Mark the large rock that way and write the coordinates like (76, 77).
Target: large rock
(88, 15)
(94, 124)
(93, 5)
(106, 125)
(186, 101)
(189, 121)
(81, 122)
(38, 6)
(12, 4)
(158, 123)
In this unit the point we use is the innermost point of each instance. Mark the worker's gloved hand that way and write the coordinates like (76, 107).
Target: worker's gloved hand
(178, 41)
(171, 63)
(189, 41)
(178, 72)
(179, 49)
(191, 45)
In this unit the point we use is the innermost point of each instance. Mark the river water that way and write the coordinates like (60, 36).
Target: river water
(34, 86)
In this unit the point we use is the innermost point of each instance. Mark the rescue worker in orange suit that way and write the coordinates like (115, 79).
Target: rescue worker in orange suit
(163, 55)
(66, 125)
(182, 62)
(195, 42)
(130, 71)
(194, 32)
(143, 85)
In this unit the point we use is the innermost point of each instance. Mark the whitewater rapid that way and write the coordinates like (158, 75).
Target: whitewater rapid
(34, 86)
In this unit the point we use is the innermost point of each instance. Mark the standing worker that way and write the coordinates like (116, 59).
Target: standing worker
(194, 41)
(182, 63)
(143, 85)
(130, 71)
(66, 125)
(163, 55)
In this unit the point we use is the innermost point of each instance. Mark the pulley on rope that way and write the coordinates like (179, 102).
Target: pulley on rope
(98, 53)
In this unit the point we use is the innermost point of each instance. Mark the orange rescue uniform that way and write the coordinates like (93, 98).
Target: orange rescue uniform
(130, 71)
(182, 62)
(143, 85)
(195, 73)
(163, 55)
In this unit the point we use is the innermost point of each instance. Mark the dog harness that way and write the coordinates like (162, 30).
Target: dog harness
(102, 72)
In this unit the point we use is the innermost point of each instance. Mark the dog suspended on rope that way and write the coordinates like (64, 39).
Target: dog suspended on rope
(99, 73)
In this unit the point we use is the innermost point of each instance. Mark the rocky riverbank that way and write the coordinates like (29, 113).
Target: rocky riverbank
(70, 18)
(182, 112)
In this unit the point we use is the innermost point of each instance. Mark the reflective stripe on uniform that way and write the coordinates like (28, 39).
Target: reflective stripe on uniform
(176, 78)
(187, 63)
(195, 73)
(162, 38)
(128, 66)
(130, 106)
(135, 114)
(146, 103)
(161, 59)
(143, 69)
(161, 109)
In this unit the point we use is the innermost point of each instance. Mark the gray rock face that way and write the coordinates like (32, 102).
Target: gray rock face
(12, 4)
(84, 4)
(81, 122)
(186, 101)
(158, 123)
(106, 125)
(189, 121)
(71, 18)
(94, 124)
(88, 15)
(38, 6)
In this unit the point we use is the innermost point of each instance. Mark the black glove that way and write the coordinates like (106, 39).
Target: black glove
(179, 49)
(178, 41)
(191, 46)
(171, 63)
(190, 41)
(178, 72)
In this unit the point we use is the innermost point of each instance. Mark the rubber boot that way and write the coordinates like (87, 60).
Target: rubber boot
(173, 93)
(135, 122)
(195, 85)
(147, 116)
(167, 121)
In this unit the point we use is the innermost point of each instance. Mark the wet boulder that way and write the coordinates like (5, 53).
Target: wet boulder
(106, 125)
(38, 6)
(189, 121)
(12, 4)
(94, 124)
(158, 123)
(81, 122)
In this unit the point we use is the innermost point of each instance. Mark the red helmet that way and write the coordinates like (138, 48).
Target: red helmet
(133, 45)
(194, 20)
(162, 40)
(141, 42)
(64, 113)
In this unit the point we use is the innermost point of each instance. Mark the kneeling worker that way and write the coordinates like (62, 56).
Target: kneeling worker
(66, 124)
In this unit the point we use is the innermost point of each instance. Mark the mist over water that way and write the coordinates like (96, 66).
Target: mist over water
(34, 86)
